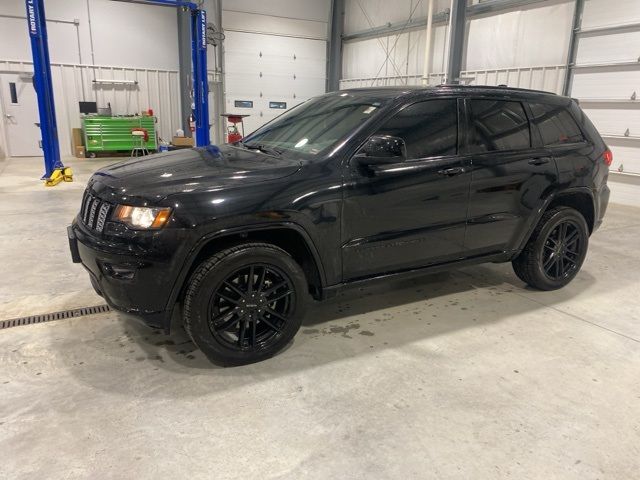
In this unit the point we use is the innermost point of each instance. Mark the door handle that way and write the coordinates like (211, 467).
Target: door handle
(450, 172)
(8, 115)
(539, 161)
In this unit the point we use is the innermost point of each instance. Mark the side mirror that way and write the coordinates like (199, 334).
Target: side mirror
(380, 149)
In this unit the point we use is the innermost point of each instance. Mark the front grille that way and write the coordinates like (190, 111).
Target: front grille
(95, 212)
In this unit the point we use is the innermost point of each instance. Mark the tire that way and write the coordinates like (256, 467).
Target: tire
(235, 324)
(553, 257)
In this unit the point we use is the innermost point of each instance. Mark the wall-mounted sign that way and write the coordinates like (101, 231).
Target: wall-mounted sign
(243, 103)
(282, 105)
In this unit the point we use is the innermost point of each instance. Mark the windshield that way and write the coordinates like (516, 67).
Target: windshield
(314, 125)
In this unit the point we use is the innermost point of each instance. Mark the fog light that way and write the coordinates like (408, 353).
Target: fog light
(120, 272)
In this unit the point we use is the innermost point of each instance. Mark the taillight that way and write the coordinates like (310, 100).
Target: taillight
(607, 156)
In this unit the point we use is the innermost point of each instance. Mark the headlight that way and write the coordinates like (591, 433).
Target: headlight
(142, 218)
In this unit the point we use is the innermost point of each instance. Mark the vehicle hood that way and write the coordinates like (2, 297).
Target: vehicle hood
(205, 168)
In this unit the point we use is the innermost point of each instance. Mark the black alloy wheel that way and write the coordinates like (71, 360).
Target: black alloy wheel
(250, 309)
(245, 303)
(562, 250)
(555, 251)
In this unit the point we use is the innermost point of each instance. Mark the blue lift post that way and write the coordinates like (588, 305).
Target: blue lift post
(200, 81)
(55, 171)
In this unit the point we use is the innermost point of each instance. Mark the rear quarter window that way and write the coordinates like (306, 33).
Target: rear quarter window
(556, 125)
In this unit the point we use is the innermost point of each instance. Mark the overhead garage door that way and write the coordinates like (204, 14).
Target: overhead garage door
(607, 76)
(268, 74)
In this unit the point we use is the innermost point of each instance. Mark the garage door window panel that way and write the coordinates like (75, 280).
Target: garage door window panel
(498, 125)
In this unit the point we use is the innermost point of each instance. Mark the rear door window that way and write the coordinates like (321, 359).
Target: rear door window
(498, 125)
(429, 128)
(556, 124)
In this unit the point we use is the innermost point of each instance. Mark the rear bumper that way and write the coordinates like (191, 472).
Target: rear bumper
(128, 283)
(602, 201)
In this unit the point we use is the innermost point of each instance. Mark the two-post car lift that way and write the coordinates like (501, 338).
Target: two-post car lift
(55, 171)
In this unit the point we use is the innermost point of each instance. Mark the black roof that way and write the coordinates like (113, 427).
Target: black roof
(401, 90)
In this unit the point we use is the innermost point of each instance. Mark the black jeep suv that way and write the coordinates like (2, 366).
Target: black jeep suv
(345, 188)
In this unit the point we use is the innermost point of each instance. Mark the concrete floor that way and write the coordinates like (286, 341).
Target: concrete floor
(463, 375)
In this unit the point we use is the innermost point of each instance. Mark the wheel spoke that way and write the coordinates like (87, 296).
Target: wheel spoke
(572, 252)
(550, 261)
(269, 324)
(563, 231)
(261, 278)
(279, 297)
(275, 287)
(271, 311)
(569, 260)
(227, 298)
(253, 333)
(233, 288)
(572, 237)
(232, 322)
(250, 280)
(243, 326)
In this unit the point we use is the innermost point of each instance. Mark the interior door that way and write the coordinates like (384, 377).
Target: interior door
(411, 213)
(511, 175)
(20, 107)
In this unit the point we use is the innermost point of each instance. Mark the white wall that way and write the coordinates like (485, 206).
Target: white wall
(273, 51)
(140, 41)
(529, 36)
(395, 59)
(124, 34)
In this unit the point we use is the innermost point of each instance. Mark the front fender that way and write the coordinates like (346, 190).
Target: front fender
(195, 251)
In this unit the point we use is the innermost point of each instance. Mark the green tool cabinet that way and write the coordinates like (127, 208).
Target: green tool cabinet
(113, 134)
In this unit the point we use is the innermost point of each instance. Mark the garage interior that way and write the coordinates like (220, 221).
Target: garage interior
(460, 374)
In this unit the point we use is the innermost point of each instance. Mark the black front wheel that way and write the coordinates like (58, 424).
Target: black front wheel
(556, 250)
(245, 303)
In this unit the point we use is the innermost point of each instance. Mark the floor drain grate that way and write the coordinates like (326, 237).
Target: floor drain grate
(50, 317)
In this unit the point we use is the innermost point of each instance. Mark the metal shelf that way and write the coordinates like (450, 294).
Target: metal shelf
(607, 65)
(609, 28)
(626, 174)
(609, 100)
(622, 137)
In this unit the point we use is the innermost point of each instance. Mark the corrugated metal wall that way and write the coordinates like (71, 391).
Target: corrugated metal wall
(72, 83)
(523, 47)
(607, 77)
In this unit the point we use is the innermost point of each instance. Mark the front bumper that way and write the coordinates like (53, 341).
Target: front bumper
(130, 283)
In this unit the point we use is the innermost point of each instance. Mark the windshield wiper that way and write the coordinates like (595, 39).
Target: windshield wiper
(263, 148)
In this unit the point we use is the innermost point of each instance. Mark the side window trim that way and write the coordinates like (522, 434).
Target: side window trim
(534, 131)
